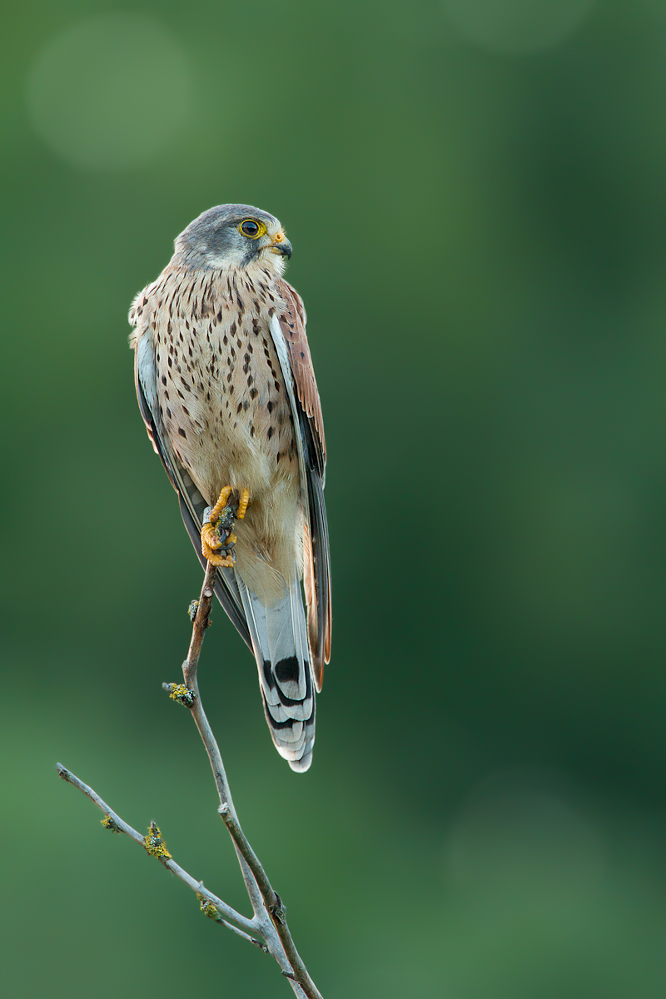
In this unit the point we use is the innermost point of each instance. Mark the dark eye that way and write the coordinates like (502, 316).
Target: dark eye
(250, 228)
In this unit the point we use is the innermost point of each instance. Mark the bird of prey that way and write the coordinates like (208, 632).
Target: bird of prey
(227, 391)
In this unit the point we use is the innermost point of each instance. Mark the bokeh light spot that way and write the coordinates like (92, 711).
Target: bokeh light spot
(517, 837)
(110, 91)
(512, 27)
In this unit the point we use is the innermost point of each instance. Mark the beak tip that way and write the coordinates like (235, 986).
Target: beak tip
(283, 248)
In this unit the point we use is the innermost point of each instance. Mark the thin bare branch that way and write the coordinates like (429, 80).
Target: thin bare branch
(119, 825)
(269, 920)
(190, 667)
(246, 936)
(272, 904)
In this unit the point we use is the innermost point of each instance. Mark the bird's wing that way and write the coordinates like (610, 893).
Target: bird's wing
(288, 331)
(192, 503)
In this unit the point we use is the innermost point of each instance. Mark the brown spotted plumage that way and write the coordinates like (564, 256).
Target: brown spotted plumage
(227, 390)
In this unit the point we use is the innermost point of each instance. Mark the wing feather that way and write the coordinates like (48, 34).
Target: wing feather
(292, 322)
(307, 414)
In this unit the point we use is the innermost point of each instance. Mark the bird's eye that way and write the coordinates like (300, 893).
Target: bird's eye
(252, 229)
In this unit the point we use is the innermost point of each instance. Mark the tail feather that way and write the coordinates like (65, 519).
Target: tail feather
(280, 642)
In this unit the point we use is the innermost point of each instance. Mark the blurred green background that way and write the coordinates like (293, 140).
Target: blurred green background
(475, 191)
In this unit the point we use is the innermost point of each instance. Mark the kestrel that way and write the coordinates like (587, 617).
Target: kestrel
(227, 391)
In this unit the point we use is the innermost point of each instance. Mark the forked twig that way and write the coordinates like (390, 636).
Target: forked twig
(268, 922)
(113, 822)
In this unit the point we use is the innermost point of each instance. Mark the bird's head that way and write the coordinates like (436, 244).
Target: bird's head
(233, 237)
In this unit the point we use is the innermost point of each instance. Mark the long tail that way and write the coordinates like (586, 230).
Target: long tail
(279, 638)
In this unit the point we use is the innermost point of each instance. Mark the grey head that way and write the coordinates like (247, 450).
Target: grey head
(232, 237)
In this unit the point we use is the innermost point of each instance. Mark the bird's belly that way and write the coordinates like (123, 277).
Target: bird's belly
(228, 417)
(269, 538)
(241, 448)
(225, 410)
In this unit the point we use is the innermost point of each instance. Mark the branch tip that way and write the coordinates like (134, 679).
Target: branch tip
(63, 772)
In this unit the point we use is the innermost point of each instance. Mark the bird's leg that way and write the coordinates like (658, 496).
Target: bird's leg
(210, 534)
(242, 503)
(220, 505)
(216, 530)
(210, 541)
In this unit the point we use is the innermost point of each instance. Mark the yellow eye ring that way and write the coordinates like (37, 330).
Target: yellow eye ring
(251, 228)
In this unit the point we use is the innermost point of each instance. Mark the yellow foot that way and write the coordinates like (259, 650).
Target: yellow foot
(220, 505)
(216, 532)
(210, 543)
(242, 504)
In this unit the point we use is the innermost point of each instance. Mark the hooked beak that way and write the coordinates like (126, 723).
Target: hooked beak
(280, 244)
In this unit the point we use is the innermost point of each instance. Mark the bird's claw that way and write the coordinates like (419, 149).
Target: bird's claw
(211, 543)
(217, 540)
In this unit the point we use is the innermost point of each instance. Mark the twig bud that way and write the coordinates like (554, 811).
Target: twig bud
(154, 843)
(207, 907)
(179, 692)
(278, 911)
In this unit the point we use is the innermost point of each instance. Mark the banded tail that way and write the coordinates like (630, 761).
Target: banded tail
(280, 643)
